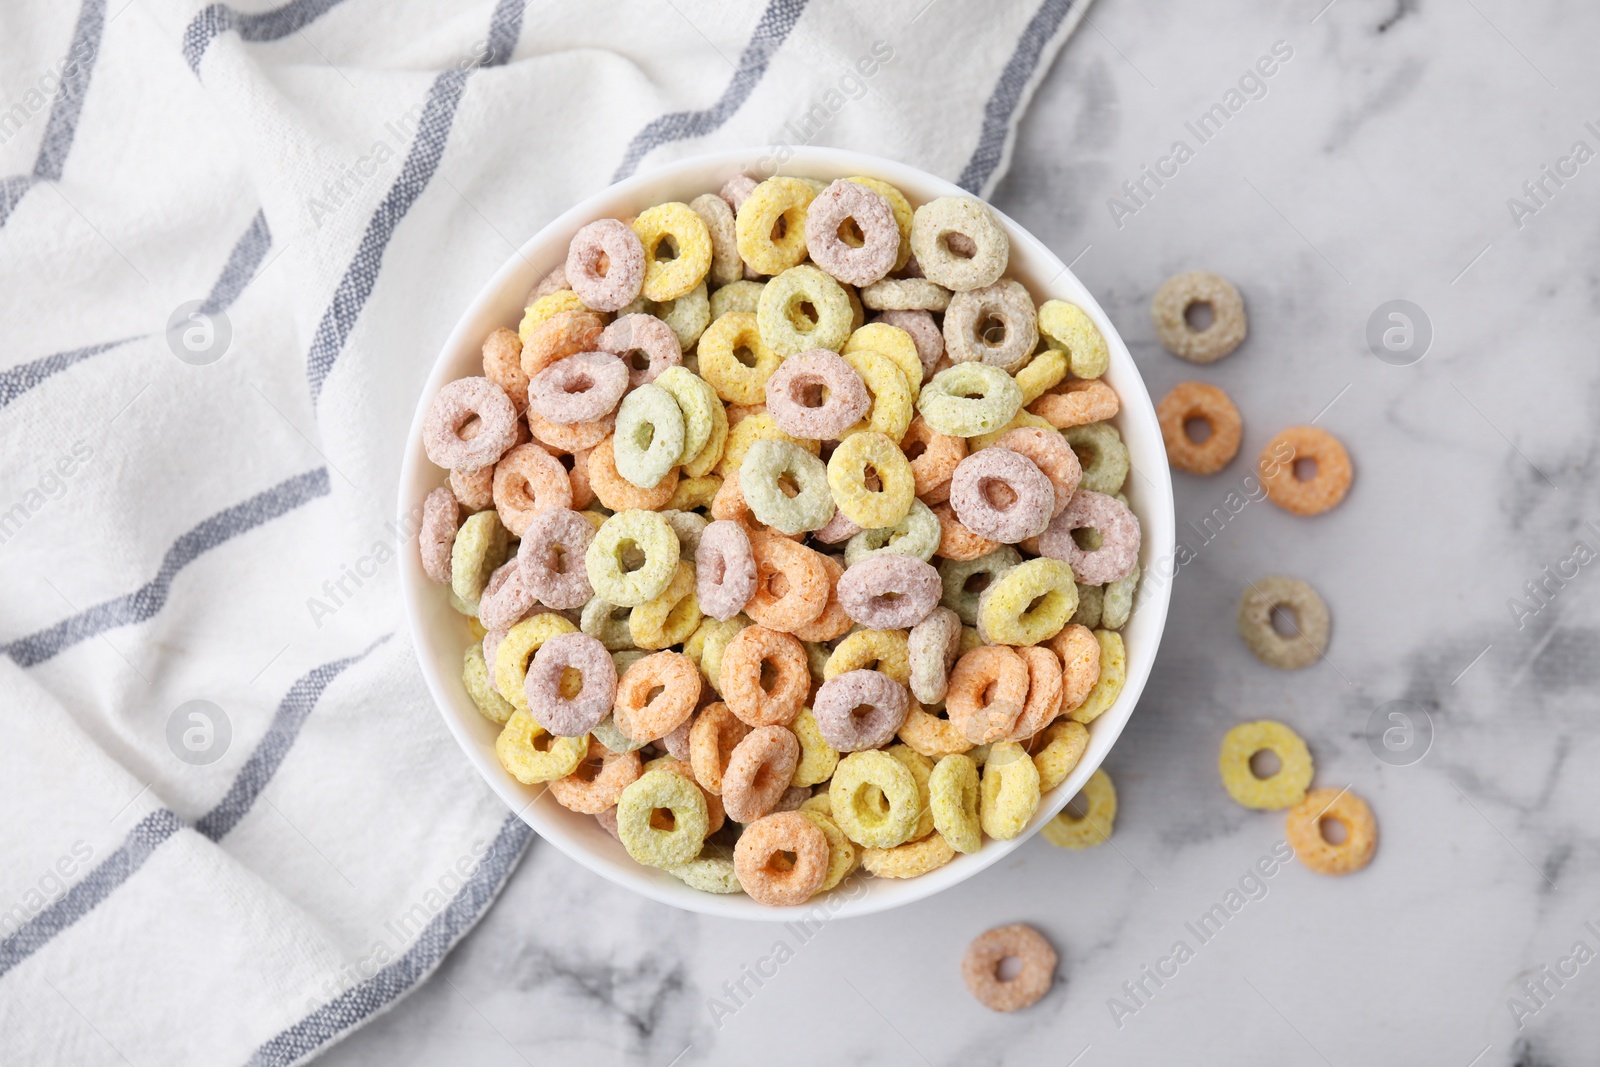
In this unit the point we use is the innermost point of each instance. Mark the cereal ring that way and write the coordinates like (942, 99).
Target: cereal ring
(1170, 309)
(696, 400)
(745, 662)
(836, 529)
(711, 455)
(1049, 452)
(927, 731)
(993, 325)
(758, 772)
(706, 645)
(715, 816)
(726, 266)
(520, 752)
(506, 600)
(1199, 402)
(918, 534)
(725, 569)
(1059, 747)
(834, 622)
(607, 623)
(579, 437)
(713, 736)
(1069, 830)
(1108, 685)
(689, 526)
(894, 343)
(771, 224)
(680, 229)
(1009, 794)
(1308, 496)
(1042, 373)
(647, 347)
(980, 967)
(693, 493)
(1091, 598)
(517, 649)
(708, 872)
(744, 297)
(1044, 692)
(736, 360)
(502, 364)
(670, 617)
(475, 402)
(785, 324)
(965, 580)
(618, 493)
(891, 409)
(571, 716)
(566, 333)
(1118, 527)
(650, 436)
(988, 690)
(937, 221)
(761, 858)
(859, 263)
(873, 798)
(474, 490)
(551, 558)
(737, 189)
(1077, 403)
(479, 548)
(932, 648)
(969, 399)
(1310, 619)
(750, 429)
(885, 651)
(607, 564)
(921, 768)
(1101, 454)
(842, 855)
(1304, 830)
(905, 294)
(792, 586)
(1283, 788)
(1117, 603)
(860, 710)
(642, 717)
(605, 265)
(816, 395)
(924, 333)
(817, 757)
(910, 860)
(1002, 495)
(1079, 652)
(553, 282)
(891, 592)
(848, 467)
(1069, 328)
(900, 206)
(580, 388)
(529, 480)
(767, 469)
(551, 305)
(668, 841)
(475, 680)
(934, 457)
(953, 798)
(441, 515)
(613, 739)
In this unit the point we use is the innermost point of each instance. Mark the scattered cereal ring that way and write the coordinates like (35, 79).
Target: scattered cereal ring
(933, 457)
(918, 535)
(1009, 794)
(910, 860)
(1197, 401)
(965, 580)
(840, 716)
(969, 399)
(886, 651)
(905, 294)
(726, 266)
(695, 399)
(551, 558)
(890, 592)
(604, 560)
(1119, 538)
(753, 427)
(617, 282)
(760, 858)
(506, 599)
(1091, 599)
(766, 467)
(1067, 830)
(725, 569)
(1049, 452)
(441, 516)
(669, 617)
(571, 716)
(836, 529)
(642, 717)
(563, 334)
(935, 222)
(1060, 746)
(817, 757)
(646, 345)
(1170, 309)
(614, 740)
(924, 333)
(707, 644)
(529, 480)
(1309, 612)
(751, 653)
(517, 649)
(1079, 651)
(929, 733)
(649, 436)
(1069, 328)
(816, 395)
(525, 760)
(479, 548)
(785, 324)
(953, 798)
(763, 245)
(1314, 495)
(980, 967)
(475, 679)
(987, 692)
(891, 410)
(893, 342)
(618, 493)
(711, 455)
(1002, 495)
(553, 282)
(900, 206)
(1005, 315)
(579, 437)
(932, 648)
(1284, 788)
(463, 402)
(679, 227)
(1108, 686)
(758, 772)
(737, 189)
(847, 477)
(1311, 848)
(713, 736)
(607, 623)
(792, 586)
(873, 799)
(744, 297)
(850, 202)
(1101, 454)
(1076, 403)
(649, 841)
(1043, 372)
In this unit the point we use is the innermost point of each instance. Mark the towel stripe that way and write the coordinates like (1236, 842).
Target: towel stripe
(1008, 92)
(255, 27)
(144, 602)
(18, 380)
(776, 22)
(505, 29)
(351, 1009)
(65, 110)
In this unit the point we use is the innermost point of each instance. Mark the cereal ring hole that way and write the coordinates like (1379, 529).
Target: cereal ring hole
(781, 862)
(1077, 808)
(780, 227)
(958, 244)
(637, 359)
(788, 485)
(1198, 315)
(914, 450)
(1305, 469)
(662, 819)
(744, 355)
(1284, 621)
(804, 315)
(1087, 538)
(977, 583)
(571, 682)
(1333, 830)
(632, 556)
(655, 691)
(850, 232)
(1265, 764)
(1007, 969)
(589, 769)
(666, 249)
(1199, 429)
(998, 493)
(770, 675)
(993, 330)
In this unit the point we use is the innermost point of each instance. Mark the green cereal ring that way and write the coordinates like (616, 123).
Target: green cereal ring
(638, 825)
(526, 761)
(695, 400)
(709, 872)
(767, 464)
(609, 735)
(480, 547)
(1091, 598)
(915, 535)
(817, 758)
(965, 580)
(988, 247)
(625, 658)
(610, 570)
(1010, 792)
(953, 796)
(1070, 329)
(784, 325)
(711, 454)
(607, 623)
(649, 436)
(1119, 600)
(1101, 454)
(873, 798)
(1113, 673)
(707, 644)
(1027, 604)
(687, 315)
(743, 297)
(969, 399)
(475, 678)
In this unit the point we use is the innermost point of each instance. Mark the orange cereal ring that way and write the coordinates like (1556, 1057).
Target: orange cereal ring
(1314, 495)
(1077, 402)
(752, 652)
(643, 718)
(758, 772)
(1197, 401)
(1304, 831)
(1079, 653)
(761, 859)
(716, 732)
(619, 494)
(563, 334)
(502, 365)
(577, 465)
(955, 540)
(933, 455)
(980, 967)
(792, 585)
(834, 622)
(1051, 454)
(988, 691)
(1044, 692)
(578, 437)
(932, 733)
(598, 781)
(528, 480)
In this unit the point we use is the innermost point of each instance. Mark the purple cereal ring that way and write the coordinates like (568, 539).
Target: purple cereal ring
(889, 591)
(792, 798)
(615, 285)
(551, 558)
(827, 214)
(816, 395)
(491, 645)
(968, 337)
(506, 600)
(646, 345)
(581, 388)
(925, 333)
(457, 405)
(1002, 495)
(758, 772)
(441, 517)
(571, 716)
(736, 188)
(839, 528)
(677, 742)
(1119, 538)
(934, 645)
(859, 710)
(724, 569)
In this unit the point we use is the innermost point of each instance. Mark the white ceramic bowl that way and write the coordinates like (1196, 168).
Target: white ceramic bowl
(441, 635)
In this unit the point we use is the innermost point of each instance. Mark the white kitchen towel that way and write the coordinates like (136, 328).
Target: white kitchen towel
(232, 827)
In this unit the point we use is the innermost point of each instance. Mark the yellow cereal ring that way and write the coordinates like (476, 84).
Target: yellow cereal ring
(649, 838)
(920, 767)
(1063, 746)
(1069, 327)
(802, 309)
(711, 455)
(753, 428)
(902, 213)
(871, 509)
(475, 679)
(517, 647)
(695, 399)
(610, 575)
(893, 342)
(476, 628)
(888, 651)
(909, 860)
(1009, 794)
(817, 757)
(1068, 831)
(953, 796)
(546, 306)
(873, 798)
(1028, 604)
(774, 199)
(671, 616)
(1113, 673)
(819, 803)
(1022, 418)
(1284, 789)
(891, 410)
(694, 493)
(737, 380)
(1043, 371)
(706, 645)
(843, 856)
(686, 233)
(525, 761)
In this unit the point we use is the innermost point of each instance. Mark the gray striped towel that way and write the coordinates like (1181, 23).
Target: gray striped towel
(232, 241)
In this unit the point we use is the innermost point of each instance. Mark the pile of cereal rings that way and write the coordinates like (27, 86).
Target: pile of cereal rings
(772, 591)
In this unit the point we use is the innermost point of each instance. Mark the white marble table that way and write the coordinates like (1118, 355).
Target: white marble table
(1378, 165)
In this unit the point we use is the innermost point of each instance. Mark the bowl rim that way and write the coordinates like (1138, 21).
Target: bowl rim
(532, 261)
